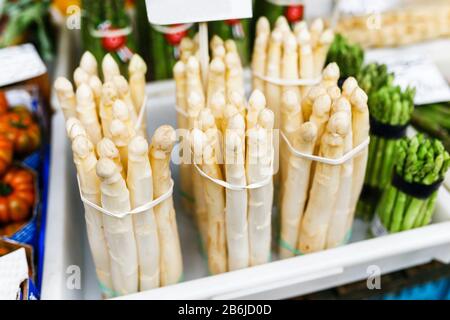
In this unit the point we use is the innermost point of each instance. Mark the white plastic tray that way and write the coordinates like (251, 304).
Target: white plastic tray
(66, 242)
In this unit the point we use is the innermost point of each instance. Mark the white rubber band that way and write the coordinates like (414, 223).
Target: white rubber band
(172, 30)
(287, 82)
(285, 2)
(141, 115)
(234, 187)
(141, 209)
(110, 33)
(334, 162)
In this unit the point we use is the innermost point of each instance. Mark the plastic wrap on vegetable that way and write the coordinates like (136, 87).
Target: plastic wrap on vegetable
(272, 9)
(106, 28)
(409, 199)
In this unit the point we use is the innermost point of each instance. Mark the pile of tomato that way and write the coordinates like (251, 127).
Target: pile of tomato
(20, 136)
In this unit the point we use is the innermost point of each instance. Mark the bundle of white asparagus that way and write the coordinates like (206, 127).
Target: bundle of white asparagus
(231, 141)
(283, 55)
(318, 199)
(119, 172)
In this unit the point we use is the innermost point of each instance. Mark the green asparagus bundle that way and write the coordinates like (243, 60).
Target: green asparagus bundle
(374, 76)
(390, 110)
(237, 30)
(349, 57)
(106, 28)
(408, 201)
(434, 120)
(269, 9)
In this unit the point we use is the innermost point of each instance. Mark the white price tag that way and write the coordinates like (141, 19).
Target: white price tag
(165, 12)
(20, 63)
(415, 70)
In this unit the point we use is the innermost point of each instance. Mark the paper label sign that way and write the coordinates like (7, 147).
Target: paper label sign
(362, 7)
(164, 12)
(416, 71)
(20, 63)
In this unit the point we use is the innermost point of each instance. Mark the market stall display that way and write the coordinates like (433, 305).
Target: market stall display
(124, 182)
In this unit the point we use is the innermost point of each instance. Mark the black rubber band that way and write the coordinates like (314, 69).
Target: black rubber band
(416, 190)
(370, 194)
(387, 131)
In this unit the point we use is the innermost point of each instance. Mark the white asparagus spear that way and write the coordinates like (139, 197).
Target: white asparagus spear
(317, 27)
(256, 104)
(140, 184)
(74, 128)
(193, 79)
(322, 196)
(334, 92)
(330, 75)
(216, 79)
(179, 73)
(291, 119)
(110, 68)
(299, 27)
(109, 95)
(219, 51)
(306, 57)
(89, 64)
(234, 77)
(121, 138)
(273, 69)
(321, 51)
(80, 76)
(187, 49)
(120, 111)
(136, 73)
(230, 46)
(204, 143)
(360, 127)
(85, 161)
(349, 86)
(237, 99)
(118, 231)
(320, 115)
(308, 101)
(87, 113)
(296, 186)
(236, 200)
(171, 265)
(258, 169)
(216, 41)
(266, 120)
(282, 24)
(342, 208)
(195, 104)
(123, 90)
(218, 103)
(289, 65)
(66, 97)
(260, 52)
(96, 86)
(107, 149)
